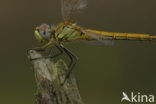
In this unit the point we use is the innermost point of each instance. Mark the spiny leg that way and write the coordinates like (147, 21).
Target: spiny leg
(61, 50)
(56, 55)
(38, 49)
(69, 54)
(73, 59)
(43, 48)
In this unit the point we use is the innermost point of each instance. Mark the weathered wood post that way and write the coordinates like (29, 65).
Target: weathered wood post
(49, 76)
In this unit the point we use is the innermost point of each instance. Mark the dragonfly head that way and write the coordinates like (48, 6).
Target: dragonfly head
(43, 33)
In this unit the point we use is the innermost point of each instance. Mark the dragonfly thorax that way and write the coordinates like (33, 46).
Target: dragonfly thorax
(67, 32)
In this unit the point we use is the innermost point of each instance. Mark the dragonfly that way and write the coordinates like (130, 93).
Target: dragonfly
(68, 31)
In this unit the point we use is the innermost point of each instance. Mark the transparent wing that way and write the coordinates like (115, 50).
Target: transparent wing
(72, 7)
(98, 37)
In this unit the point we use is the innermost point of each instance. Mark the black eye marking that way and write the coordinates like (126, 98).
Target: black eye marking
(52, 32)
(44, 33)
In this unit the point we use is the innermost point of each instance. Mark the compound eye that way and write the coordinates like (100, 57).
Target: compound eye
(43, 28)
(44, 31)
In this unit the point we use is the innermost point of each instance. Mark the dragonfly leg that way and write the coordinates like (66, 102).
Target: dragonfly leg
(61, 49)
(72, 57)
(49, 56)
(58, 54)
(39, 49)
(73, 61)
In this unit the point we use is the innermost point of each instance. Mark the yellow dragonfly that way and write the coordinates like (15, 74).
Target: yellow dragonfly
(68, 31)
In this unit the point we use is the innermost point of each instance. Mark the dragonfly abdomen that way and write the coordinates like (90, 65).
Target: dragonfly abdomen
(122, 36)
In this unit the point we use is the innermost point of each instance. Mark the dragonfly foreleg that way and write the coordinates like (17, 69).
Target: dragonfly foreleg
(72, 57)
(58, 54)
(73, 61)
(38, 49)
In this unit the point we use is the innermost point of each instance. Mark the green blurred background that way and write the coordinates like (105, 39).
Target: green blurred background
(102, 72)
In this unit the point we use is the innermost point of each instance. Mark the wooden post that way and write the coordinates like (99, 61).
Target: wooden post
(49, 76)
